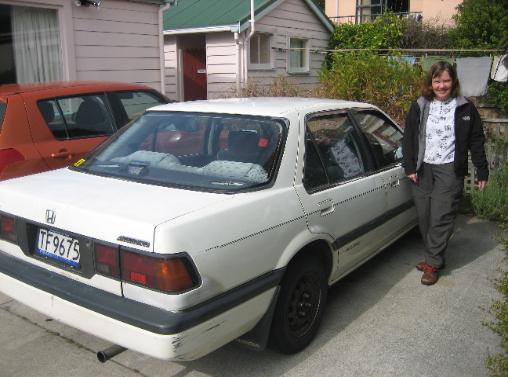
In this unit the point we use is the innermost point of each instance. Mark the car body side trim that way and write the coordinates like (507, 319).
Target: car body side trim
(367, 227)
(126, 310)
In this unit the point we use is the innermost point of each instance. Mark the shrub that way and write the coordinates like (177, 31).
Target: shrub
(492, 203)
(498, 364)
(368, 77)
(498, 94)
(384, 33)
(432, 33)
(279, 87)
(481, 24)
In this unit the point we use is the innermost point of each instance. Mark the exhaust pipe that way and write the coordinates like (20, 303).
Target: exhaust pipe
(110, 352)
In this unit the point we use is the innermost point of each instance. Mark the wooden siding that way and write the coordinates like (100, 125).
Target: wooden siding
(118, 42)
(171, 67)
(220, 64)
(292, 19)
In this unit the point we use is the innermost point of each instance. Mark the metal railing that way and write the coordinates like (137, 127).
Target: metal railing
(361, 18)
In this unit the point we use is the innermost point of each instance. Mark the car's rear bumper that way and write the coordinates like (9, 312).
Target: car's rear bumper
(183, 335)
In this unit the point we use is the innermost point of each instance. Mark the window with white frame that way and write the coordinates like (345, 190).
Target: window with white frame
(260, 49)
(30, 47)
(298, 55)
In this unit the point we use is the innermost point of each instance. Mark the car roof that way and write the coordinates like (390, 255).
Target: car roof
(266, 106)
(11, 89)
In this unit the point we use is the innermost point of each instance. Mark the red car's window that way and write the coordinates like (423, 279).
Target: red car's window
(3, 106)
(77, 117)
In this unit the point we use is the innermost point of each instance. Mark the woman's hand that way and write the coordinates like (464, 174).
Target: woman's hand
(482, 185)
(414, 178)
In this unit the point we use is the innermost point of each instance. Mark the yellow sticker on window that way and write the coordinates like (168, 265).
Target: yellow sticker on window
(79, 162)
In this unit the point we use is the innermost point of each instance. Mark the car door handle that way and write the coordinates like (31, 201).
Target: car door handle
(63, 153)
(326, 207)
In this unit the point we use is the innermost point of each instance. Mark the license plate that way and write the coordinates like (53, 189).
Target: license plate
(58, 246)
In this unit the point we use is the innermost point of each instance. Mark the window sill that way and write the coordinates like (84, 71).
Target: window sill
(261, 67)
(299, 73)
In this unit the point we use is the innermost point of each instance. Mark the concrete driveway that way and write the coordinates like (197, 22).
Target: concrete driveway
(380, 321)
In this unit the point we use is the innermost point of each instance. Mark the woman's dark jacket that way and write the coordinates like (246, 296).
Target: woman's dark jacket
(468, 136)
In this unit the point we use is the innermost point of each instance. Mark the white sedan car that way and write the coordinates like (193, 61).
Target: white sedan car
(208, 221)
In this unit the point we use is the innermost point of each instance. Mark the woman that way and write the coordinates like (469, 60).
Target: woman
(441, 127)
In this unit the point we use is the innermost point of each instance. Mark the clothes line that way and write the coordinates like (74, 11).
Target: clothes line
(473, 72)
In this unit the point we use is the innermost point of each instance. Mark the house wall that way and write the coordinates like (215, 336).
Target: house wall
(119, 41)
(440, 10)
(292, 19)
(171, 67)
(221, 64)
(432, 10)
(336, 8)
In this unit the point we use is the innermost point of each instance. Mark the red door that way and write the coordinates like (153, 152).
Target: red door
(194, 74)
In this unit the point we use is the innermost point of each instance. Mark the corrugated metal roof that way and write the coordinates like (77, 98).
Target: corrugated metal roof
(193, 14)
(188, 14)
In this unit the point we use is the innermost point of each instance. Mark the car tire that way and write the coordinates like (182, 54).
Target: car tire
(300, 306)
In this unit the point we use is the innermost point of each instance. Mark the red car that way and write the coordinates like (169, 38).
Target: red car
(48, 126)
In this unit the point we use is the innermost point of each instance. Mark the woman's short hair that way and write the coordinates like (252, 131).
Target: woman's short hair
(436, 70)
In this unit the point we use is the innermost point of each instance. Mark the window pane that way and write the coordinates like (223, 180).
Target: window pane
(7, 67)
(264, 49)
(260, 49)
(183, 137)
(254, 48)
(54, 121)
(384, 137)
(314, 172)
(333, 137)
(135, 103)
(3, 106)
(193, 151)
(36, 44)
(86, 116)
(297, 54)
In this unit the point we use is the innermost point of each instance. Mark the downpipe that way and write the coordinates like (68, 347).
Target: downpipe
(110, 352)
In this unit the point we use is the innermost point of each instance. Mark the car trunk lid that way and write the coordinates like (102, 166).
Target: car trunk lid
(100, 207)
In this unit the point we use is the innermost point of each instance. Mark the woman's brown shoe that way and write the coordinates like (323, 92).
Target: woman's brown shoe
(420, 266)
(430, 275)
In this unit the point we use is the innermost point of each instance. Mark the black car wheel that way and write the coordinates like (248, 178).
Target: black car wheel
(300, 306)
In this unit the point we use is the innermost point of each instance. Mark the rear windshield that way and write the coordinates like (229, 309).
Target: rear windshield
(3, 106)
(212, 152)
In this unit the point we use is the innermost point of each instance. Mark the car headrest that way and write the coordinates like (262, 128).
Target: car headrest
(90, 112)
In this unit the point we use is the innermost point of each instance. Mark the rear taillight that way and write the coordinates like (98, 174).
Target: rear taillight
(8, 157)
(107, 261)
(8, 228)
(172, 275)
(163, 274)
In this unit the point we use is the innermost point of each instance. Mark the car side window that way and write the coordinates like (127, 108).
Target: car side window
(384, 138)
(314, 175)
(53, 118)
(135, 103)
(3, 106)
(333, 140)
(77, 117)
